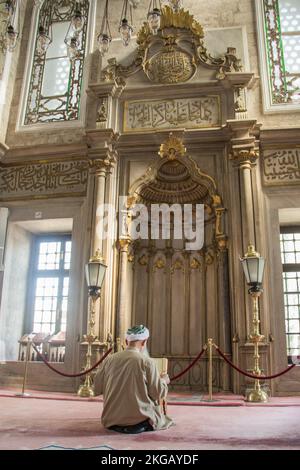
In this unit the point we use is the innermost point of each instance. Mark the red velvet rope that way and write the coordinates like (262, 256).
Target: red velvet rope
(252, 376)
(189, 367)
(71, 375)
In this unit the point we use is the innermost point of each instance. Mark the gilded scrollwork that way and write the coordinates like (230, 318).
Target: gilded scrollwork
(177, 265)
(160, 263)
(281, 166)
(143, 260)
(162, 57)
(209, 256)
(195, 264)
(171, 64)
(43, 179)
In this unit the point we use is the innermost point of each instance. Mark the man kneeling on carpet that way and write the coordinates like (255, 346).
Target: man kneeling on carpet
(132, 388)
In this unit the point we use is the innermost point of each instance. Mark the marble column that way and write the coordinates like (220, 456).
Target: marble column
(99, 199)
(244, 154)
(122, 314)
(100, 172)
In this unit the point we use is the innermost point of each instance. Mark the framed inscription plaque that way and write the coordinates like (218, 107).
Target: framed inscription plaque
(189, 113)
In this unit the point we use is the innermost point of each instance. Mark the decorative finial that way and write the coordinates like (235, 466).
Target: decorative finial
(172, 148)
(97, 258)
(251, 253)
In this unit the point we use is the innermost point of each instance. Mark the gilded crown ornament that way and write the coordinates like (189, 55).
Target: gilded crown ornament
(170, 46)
(172, 148)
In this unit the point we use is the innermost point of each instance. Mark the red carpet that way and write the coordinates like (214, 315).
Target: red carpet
(175, 399)
(35, 423)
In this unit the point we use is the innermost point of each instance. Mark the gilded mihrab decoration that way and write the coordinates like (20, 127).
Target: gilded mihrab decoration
(172, 55)
(170, 65)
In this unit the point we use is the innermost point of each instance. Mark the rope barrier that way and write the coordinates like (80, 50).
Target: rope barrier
(85, 372)
(253, 376)
(190, 365)
(176, 377)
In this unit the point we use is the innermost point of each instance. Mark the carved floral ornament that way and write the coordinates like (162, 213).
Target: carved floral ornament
(172, 55)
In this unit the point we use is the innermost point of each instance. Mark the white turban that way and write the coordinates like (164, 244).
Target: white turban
(137, 333)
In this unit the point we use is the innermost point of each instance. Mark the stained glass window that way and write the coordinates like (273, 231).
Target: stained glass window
(51, 284)
(56, 81)
(290, 254)
(282, 29)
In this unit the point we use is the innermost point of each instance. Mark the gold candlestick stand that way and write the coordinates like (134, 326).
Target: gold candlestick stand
(256, 394)
(86, 390)
(95, 272)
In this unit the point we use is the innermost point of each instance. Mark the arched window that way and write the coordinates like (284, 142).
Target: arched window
(279, 44)
(55, 83)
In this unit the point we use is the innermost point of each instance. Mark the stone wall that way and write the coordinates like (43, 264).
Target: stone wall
(217, 14)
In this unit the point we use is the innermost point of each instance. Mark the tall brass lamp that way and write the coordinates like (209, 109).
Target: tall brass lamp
(253, 266)
(95, 272)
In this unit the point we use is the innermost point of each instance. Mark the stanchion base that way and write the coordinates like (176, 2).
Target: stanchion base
(257, 396)
(85, 392)
(23, 395)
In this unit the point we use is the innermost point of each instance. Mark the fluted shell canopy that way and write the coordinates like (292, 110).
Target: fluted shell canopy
(174, 184)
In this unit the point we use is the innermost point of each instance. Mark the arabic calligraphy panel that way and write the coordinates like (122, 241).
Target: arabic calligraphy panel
(43, 179)
(190, 113)
(281, 167)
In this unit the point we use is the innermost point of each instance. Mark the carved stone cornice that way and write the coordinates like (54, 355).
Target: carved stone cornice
(239, 79)
(102, 147)
(280, 137)
(45, 153)
(112, 88)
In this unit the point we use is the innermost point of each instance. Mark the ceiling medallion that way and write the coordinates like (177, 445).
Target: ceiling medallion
(171, 64)
(173, 148)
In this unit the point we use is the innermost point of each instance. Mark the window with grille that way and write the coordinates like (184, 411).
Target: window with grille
(56, 81)
(51, 284)
(290, 254)
(279, 45)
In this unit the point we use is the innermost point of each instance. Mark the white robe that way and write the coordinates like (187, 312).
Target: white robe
(132, 390)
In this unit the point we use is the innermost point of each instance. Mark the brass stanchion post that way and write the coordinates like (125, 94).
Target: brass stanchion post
(23, 394)
(257, 394)
(253, 265)
(210, 370)
(95, 272)
(86, 390)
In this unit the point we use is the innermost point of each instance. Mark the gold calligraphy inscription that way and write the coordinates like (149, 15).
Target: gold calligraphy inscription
(170, 66)
(201, 112)
(281, 167)
(43, 179)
